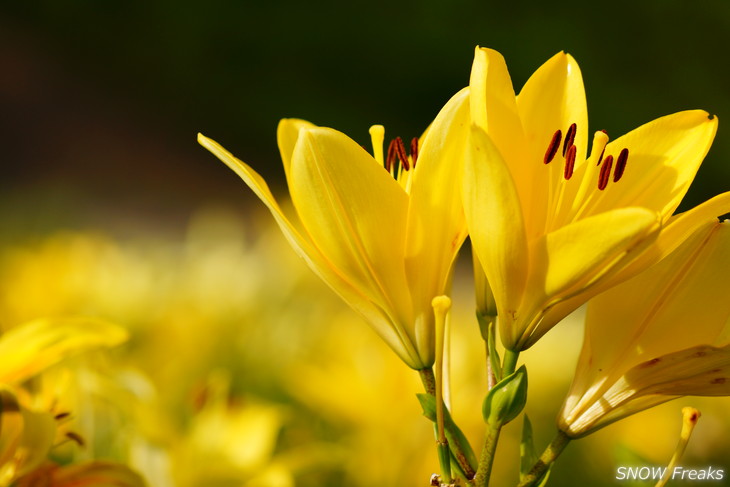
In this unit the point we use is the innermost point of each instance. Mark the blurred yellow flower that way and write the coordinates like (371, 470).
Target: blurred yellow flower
(383, 238)
(29, 431)
(548, 223)
(662, 334)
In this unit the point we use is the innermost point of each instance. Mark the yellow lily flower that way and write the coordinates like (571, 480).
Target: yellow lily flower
(28, 433)
(662, 334)
(551, 225)
(89, 474)
(379, 231)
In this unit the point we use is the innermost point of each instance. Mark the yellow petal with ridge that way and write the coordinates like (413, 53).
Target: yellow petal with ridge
(552, 99)
(436, 227)
(287, 134)
(354, 212)
(573, 254)
(664, 156)
(494, 217)
(342, 284)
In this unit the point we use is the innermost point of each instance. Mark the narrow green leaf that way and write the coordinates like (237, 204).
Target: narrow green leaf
(456, 438)
(528, 456)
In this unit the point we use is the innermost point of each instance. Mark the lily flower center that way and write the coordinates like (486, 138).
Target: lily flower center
(600, 140)
(397, 161)
(61, 419)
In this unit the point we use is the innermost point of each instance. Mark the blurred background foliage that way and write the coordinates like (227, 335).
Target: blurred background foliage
(242, 368)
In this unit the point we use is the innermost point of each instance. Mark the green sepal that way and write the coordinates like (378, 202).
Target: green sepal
(506, 399)
(456, 438)
(528, 455)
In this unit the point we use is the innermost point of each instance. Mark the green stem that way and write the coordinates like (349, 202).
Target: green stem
(510, 362)
(481, 479)
(429, 381)
(548, 457)
(429, 384)
(486, 460)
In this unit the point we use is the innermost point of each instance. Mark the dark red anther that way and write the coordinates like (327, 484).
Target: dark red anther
(75, 437)
(605, 172)
(414, 150)
(620, 164)
(390, 159)
(569, 137)
(61, 416)
(569, 162)
(553, 146)
(400, 149)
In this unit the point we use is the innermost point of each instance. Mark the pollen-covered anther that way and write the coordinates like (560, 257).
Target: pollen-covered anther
(620, 164)
(553, 147)
(400, 149)
(605, 172)
(569, 162)
(414, 150)
(392, 154)
(569, 138)
(76, 438)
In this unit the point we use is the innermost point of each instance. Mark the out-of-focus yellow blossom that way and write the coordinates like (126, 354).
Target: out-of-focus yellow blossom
(660, 335)
(551, 225)
(224, 443)
(382, 235)
(28, 430)
(89, 474)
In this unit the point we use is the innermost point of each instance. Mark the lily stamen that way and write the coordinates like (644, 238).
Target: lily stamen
(400, 148)
(414, 150)
(76, 438)
(569, 137)
(553, 147)
(605, 172)
(569, 162)
(391, 161)
(620, 164)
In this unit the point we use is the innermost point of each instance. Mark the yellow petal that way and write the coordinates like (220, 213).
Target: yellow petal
(287, 134)
(552, 99)
(675, 232)
(664, 156)
(494, 108)
(569, 257)
(435, 226)
(679, 228)
(30, 348)
(320, 264)
(27, 437)
(696, 371)
(494, 218)
(648, 316)
(354, 211)
(650, 338)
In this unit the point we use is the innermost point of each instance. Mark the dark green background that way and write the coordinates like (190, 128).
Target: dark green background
(100, 101)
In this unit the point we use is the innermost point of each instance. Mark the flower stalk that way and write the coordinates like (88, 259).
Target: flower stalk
(441, 306)
(548, 457)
